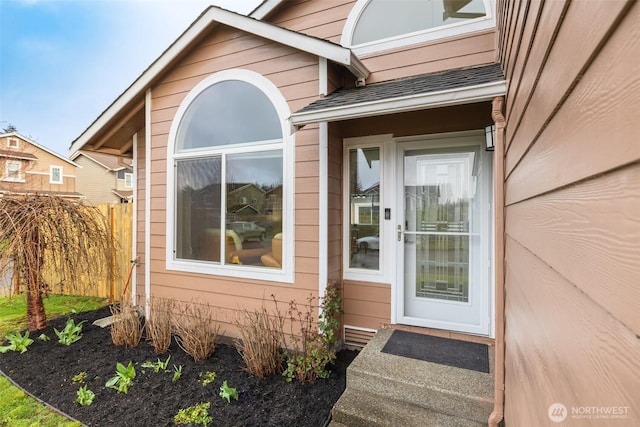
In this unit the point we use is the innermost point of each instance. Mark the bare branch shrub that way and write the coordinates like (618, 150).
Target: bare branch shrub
(261, 341)
(127, 326)
(197, 333)
(49, 233)
(159, 325)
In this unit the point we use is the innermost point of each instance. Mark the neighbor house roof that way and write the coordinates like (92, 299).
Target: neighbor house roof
(35, 144)
(430, 90)
(17, 155)
(132, 97)
(123, 194)
(108, 161)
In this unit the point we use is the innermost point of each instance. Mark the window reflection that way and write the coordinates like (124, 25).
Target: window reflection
(364, 196)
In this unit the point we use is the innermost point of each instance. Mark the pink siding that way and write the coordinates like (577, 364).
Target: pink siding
(571, 193)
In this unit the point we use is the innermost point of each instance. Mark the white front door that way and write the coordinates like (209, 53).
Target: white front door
(443, 234)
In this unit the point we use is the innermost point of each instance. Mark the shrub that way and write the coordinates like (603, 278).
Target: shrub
(261, 340)
(158, 325)
(315, 348)
(197, 333)
(126, 328)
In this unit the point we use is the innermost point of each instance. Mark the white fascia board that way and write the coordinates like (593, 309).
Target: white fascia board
(35, 144)
(319, 47)
(331, 51)
(265, 8)
(466, 95)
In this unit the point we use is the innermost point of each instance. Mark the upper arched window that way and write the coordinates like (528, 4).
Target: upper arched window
(227, 113)
(228, 199)
(376, 25)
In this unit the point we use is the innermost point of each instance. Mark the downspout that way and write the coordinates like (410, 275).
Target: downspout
(498, 166)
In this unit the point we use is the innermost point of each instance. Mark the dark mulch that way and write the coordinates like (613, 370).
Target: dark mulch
(47, 368)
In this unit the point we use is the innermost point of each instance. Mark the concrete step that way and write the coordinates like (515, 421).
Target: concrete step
(446, 390)
(357, 408)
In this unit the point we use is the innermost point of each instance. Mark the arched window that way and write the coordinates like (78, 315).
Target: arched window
(376, 25)
(227, 168)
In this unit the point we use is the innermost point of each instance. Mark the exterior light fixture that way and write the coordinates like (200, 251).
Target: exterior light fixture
(489, 135)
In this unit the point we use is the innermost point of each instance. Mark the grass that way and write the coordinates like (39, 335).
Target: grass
(16, 408)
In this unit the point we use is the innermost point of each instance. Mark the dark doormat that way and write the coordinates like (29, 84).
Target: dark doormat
(444, 351)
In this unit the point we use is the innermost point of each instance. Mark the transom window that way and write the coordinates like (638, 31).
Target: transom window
(228, 184)
(376, 25)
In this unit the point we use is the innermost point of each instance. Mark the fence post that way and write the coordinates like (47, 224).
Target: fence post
(112, 278)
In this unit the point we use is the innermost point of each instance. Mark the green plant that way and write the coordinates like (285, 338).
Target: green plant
(123, 379)
(157, 366)
(71, 332)
(228, 393)
(84, 397)
(44, 338)
(207, 377)
(315, 348)
(17, 342)
(197, 414)
(177, 373)
(79, 378)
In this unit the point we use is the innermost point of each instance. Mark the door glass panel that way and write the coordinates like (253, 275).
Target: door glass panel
(440, 223)
(364, 196)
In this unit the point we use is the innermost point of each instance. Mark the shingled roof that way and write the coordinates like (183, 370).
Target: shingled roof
(406, 94)
(424, 83)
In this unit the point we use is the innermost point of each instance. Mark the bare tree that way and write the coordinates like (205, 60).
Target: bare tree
(44, 232)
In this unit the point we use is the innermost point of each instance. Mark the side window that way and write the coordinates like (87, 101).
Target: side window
(128, 180)
(13, 171)
(376, 25)
(364, 208)
(229, 190)
(55, 175)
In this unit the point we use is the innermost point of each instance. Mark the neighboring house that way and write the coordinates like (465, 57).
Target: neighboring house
(26, 167)
(533, 247)
(104, 178)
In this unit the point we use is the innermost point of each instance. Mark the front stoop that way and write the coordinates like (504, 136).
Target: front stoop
(388, 390)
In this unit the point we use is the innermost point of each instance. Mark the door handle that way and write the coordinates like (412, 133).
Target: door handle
(399, 233)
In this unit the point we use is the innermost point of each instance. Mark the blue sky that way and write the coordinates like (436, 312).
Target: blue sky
(62, 62)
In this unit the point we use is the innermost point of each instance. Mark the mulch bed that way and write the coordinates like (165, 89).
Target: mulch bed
(47, 368)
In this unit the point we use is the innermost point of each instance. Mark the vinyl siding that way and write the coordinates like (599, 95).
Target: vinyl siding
(572, 244)
(295, 75)
(95, 182)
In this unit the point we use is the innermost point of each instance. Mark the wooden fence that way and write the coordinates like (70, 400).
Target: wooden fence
(120, 220)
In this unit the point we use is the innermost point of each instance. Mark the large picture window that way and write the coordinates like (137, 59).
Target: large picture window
(229, 191)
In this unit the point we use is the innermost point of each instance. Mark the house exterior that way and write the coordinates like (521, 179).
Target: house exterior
(104, 178)
(26, 167)
(474, 177)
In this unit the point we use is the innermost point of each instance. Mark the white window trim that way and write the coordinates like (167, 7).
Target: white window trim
(13, 143)
(8, 178)
(286, 273)
(459, 28)
(130, 176)
(51, 180)
(384, 275)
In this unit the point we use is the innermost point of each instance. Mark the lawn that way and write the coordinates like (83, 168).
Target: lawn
(16, 408)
